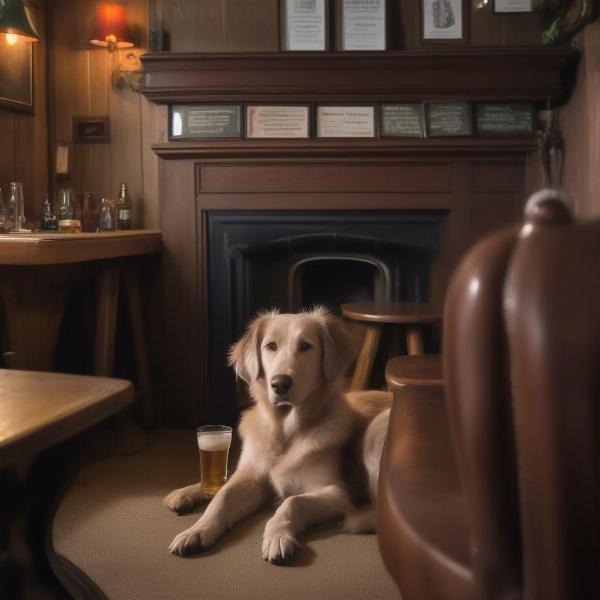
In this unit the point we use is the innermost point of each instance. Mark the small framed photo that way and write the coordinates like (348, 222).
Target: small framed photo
(277, 121)
(304, 25)
(513, 6)
(91, 130)
(362, 25)
(449, 119)
(443, 21)
(205, 121)
(346, 121)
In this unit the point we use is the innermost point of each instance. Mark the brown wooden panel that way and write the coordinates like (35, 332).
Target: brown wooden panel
(180, 381)
(492, 211)
(251, 26)
(316, 177)
(498, 177)
(194, 26)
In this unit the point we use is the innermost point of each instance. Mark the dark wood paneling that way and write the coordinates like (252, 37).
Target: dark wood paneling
(244, 25)
(325, 179)
(497, 177)
(24, 137)
(181, 379)
(251, 26)
(580, 125)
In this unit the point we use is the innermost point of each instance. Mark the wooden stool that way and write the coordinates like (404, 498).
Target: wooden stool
(412, 315)
(426, 369)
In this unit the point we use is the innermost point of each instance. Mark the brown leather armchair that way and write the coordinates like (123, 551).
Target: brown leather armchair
(489, 489)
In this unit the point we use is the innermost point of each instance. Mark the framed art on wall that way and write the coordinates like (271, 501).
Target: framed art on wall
(513, 6)
(443, 21)
(304, 25)
(16, 75)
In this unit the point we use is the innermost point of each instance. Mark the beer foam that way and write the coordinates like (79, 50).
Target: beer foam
(214, 441)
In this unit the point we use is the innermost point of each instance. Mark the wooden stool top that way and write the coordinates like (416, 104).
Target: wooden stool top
(38, 410)
(393, 312)
(424, 369)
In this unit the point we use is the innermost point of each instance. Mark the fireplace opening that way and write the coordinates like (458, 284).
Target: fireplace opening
(292, 260)
(333, 280)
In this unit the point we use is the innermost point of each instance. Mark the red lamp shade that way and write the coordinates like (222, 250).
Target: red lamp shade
(110, 29)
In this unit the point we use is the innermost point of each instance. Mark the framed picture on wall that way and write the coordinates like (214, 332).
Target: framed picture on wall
(361, 25)
(513, 6)
(16, 75)
(304, 25)
(443, 21)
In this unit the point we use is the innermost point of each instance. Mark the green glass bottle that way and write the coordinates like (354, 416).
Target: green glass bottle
(124, 209)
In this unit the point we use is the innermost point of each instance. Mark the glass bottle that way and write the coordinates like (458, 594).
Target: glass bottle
(89, 222)
(105, 222)
(124, 208)
(16, 207)
(48, 222)
(66, 203)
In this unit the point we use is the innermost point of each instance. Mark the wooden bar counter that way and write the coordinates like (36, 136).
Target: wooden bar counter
(37, 271)
(63, 248)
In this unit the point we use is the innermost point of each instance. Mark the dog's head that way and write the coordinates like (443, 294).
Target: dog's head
(291, 355)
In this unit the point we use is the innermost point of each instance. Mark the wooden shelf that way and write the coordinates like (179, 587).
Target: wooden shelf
(491, 73)
(219, 149)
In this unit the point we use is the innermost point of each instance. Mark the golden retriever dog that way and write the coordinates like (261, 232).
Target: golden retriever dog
(295, 437)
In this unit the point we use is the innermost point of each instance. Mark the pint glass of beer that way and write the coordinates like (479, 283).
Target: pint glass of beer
(214, 442)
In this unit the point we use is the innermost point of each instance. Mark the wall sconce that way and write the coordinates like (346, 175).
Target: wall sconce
(110, 28)
(16, 22)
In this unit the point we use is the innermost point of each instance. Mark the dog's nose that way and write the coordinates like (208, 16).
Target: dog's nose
(281, 384)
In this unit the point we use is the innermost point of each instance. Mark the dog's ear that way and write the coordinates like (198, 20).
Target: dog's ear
(244, 355)
(339, 345)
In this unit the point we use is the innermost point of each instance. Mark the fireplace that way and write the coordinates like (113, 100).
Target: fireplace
(295, 259)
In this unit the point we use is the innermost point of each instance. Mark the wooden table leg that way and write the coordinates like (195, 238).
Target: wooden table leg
(140, 349)
(106, 320)
(414, 340)
(29, 567)
(364, 364)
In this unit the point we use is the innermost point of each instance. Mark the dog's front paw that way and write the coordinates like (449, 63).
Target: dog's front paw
(195, 539)
(279, 547)
(184, 499)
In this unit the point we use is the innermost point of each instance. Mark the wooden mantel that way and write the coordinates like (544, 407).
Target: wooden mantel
(491, 73)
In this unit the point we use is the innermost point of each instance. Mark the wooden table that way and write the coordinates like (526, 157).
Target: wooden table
(38, 411)
(37, 270)
(410, 314)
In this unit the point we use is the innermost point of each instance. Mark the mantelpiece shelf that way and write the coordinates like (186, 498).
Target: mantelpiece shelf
(491, 73)
(313, 148)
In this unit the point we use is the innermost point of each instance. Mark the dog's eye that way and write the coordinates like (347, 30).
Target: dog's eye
(304, 346)
(271, 346)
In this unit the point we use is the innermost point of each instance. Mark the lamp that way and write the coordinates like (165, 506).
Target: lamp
(16, 22)
(110, 29)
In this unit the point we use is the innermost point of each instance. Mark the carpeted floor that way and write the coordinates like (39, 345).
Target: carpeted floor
(112, 525)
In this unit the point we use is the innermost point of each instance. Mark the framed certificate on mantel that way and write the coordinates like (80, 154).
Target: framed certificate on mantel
(449, 119)
(304, 25)
(206, 121)
(402, 120)
(513, 6)
(346, 121)
(361, 25)
(277, 121)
